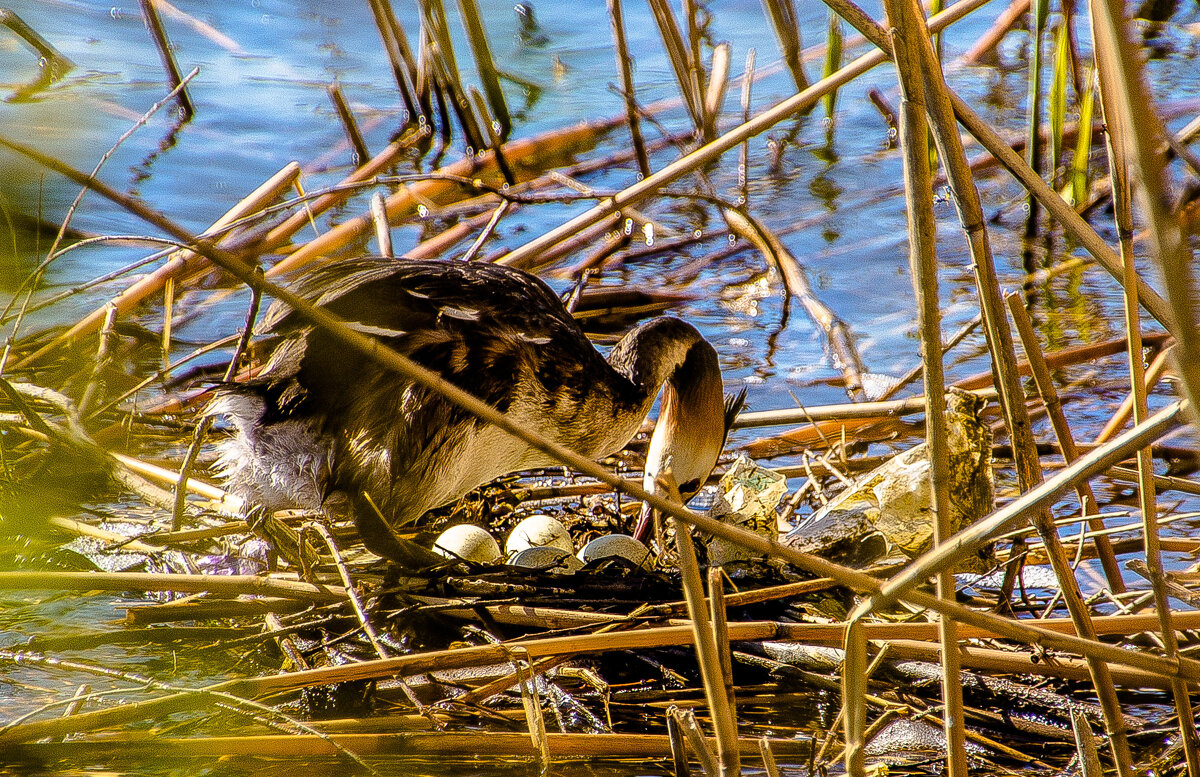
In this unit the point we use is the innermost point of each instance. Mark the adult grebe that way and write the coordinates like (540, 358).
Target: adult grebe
(325, 427)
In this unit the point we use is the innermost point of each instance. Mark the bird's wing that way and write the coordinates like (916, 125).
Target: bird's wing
(478, 325)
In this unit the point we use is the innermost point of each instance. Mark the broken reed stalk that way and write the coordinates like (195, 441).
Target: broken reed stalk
(141, 581)
(181, 264)
(686, 71)
(383, 230)
(711, 151)
(711, 665)
(838, 335)
(786, 24)
(625, 68)
(922, 239)
(155, 26)
(349, 125)
(1128, 111)
(485, 65)
(495, 142)
(400, 58)
(987, 44)
(743, 171)
(1062, 430)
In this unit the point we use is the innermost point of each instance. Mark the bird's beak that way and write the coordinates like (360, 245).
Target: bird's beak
(689, 434)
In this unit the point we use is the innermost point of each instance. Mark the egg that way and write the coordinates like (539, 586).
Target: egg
(468, 542)
(538, 531)
(617, 546)
(546, 559)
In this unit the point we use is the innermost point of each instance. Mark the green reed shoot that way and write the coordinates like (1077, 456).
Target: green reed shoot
(833, 61)
(1058, 97)
(1083, 143)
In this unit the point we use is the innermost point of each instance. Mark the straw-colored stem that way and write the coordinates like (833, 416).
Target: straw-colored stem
(1154, 373)
(349, 124)
(1062, 430)
(922, 238)
(711, 670)
(473, 23)
(145, 581)
(987, 43)
(625, 68)
(163, 44)
(686, 74)
(711, 151)
(1124, 104)
(786, 24)
(922, 569)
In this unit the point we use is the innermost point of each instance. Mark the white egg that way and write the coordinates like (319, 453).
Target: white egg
(546, 559)
(538, 531)
(468, 542)
(617, 545)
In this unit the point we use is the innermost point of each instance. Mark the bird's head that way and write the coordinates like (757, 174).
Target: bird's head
(693, 424)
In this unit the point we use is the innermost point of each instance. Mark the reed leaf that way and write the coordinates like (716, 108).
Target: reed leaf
(833, 61)
(1041, 10)
(1058, 96)
(1083, 143)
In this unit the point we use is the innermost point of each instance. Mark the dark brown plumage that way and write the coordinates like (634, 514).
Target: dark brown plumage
(324, 425)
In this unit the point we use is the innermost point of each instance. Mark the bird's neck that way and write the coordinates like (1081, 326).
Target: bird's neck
(657, 350)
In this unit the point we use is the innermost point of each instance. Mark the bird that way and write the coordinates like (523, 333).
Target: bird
(324, 427)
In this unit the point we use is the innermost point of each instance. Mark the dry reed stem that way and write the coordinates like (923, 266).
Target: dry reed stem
(1154, 373)
(437, 744)
(656, 637)
(712, 668)
(485, 65)
(686, 69)
(1004, 23)
(163, 44)
(905, 20)
(145, 581)
(521, 154)
(1086, 466)
(941, 100)
(383, 230)
(836, 332)
(786, 24)
(1062, 430)
(281, 233)
(403, 68)
(1129, 115)
(349, 125)
(625, 68)
(1072, 222)
(181, 264)
(711, 151)
(855, 410)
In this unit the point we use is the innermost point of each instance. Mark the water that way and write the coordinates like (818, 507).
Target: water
(261, 102)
